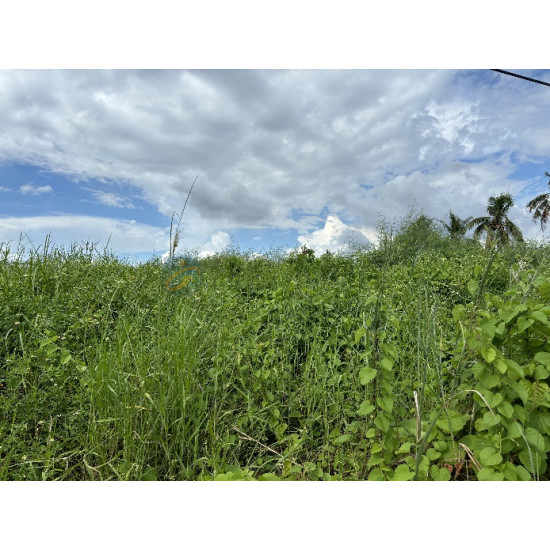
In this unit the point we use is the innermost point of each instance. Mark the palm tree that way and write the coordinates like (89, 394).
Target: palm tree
(541, 206)
(497, 225)
(457, 227)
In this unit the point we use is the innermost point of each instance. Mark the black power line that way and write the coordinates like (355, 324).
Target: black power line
(523, 77)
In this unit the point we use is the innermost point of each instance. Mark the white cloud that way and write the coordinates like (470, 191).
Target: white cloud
(337, 237)
(110, 199)
(123, 236)
(29, 189)
(4, 189)
(217, 243)
(269, 144)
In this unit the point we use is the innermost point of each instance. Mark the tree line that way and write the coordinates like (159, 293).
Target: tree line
(497, 226)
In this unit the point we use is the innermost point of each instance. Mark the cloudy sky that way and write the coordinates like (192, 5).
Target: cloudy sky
(283, 158)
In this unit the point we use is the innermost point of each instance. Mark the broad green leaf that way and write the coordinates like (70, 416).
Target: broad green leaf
(458, 312)
(440, 474)
(476, 442)
(359, 333)
(494, 400)
(535, 439)
(520, 391)
(537, 464)
(385, 403)
(544, 291)
(376, 448)
(65, 357)
(488, 327)
(513, 366)
(390, 349)
(507, 314)
(543, 358)
(523, 474)
(524, 323)
(490, 457)
(488, 354)
(520, 413)
(404, 449)
(490, 380)
(366, 408)
(540, 373)
(506, 409)
(491, 419)
(432, 454)
(382, 422)
(366, 375)
(51, 349)
(489, 474)
(376, 475)
(473, 286)
(150, 475)
(500, 329)
(387, 386)
(541, 421)
(478, 270)
(386, 363)
(479, 370)
(269, 477)
(450, 421)
(370, 433)
(342, 439)
(510, 472)
(375, 460)
(501, 366)
(402, 473)
(540, 317)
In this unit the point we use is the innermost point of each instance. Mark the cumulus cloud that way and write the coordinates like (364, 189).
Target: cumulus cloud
(29, 189)
(337, 237)
(271, 144)
(217, 243)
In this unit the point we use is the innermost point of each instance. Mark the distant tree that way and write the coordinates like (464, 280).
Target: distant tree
(416, 234)
(541, 206)
(497, 226)
(457, 227)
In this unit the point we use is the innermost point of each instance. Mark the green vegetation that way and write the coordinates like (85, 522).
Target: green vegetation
(426, 358)
(541, 205)
(497, 226)
(456, 227)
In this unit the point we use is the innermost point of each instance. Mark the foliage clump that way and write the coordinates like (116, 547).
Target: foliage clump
(426, 358)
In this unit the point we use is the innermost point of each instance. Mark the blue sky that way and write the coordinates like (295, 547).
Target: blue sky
(283, 158)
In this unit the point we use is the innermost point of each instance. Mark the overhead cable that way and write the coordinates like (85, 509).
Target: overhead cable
(521, 76)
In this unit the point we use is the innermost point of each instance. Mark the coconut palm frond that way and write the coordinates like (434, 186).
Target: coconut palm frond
(457, 227)
(497, 225)
(514, 231)
(541, 206)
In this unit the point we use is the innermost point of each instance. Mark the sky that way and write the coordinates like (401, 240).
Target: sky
(280, 158)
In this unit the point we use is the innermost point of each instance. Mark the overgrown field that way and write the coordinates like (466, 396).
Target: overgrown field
(427, 359)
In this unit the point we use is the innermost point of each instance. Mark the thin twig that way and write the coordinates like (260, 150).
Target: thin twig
(471, 455)
(247, 437)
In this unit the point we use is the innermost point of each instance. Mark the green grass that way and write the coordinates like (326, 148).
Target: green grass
(296, 368)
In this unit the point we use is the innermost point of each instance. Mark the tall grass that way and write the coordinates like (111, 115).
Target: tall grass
(252, 369)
